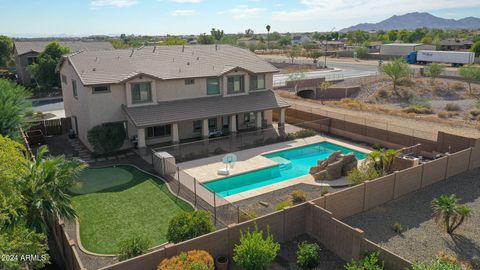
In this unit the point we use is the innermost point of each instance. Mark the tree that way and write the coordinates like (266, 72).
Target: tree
(294, 52)
(314, 55)
(188, 225)
(433, 70)
(449, 213)
(107, 138)
(6, 48)
(476, 48)
(284, 41)
(204, 39)
(174, 41)
(249, 32)
(470, 74)
(44, 70)
(14, 108)
(132, 247)
(217, 34)
(382, 160)
(362, 52)
(308, 255)
(396, 70)
(46, 189)
(255, 252)
(323, 87)
(369, 261)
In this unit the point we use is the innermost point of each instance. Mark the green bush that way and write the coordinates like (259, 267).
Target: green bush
(436, 265)
(308, 255)
(298, 196)
(254, 252)
(397, 227)
(132, 247)
(362, 52)
(363, 173)
(282, 205)
(304, 133)
(452, 107)
(107, 138)
(369, 261)
(188, 225)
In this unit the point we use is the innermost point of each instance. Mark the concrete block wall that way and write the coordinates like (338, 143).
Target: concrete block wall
(392, 261)
(407, 181)
(379, 191)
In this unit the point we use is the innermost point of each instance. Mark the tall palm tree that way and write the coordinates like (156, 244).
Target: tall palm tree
(268, 35)
(46, 185)
(382, 160)
(449, 213)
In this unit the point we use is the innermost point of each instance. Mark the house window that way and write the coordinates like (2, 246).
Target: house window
(257, 82)
(225, 122)
(236, 84)
(64, 79)
(141, 92)
(101, 89)
(197, 126)
(31, 60)
(212, 124)
(189, 81)
(159, 131)
(213, 86)
(74, 89)
(249, 117)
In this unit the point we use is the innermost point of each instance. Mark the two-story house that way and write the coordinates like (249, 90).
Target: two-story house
(169, 93)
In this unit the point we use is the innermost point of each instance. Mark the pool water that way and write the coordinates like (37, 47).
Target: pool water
(292, 163)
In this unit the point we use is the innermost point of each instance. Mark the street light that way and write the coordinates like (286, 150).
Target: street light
(326, 44)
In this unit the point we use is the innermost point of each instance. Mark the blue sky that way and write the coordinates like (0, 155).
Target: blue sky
(159, 17)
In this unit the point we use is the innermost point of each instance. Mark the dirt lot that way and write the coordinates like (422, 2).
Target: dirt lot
(422, 238)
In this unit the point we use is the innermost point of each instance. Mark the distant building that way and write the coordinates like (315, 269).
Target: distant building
(300, 39)
(331, 44)
(375, 45)
(26, 53)
(403, 49)
(453, 44)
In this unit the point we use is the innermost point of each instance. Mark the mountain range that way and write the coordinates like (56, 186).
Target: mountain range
(415, 20)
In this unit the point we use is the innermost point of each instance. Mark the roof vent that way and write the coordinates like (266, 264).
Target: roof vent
(188, 63)
(183, 48)
(198, 58)
(94, 69)
(96, 59)
(131, 54)
(173, 59)
(216, 47)
(154, 48)
(179, 70)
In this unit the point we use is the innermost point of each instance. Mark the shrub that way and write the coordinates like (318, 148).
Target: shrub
(188, 225)
(452, 107)
(282, 205)
(475, 114)
(254, 252)
(449, 213)
(298, 196)
(369, 261)
(436, 265)
(433, 70)
(443, 115)
(308, 255)
(107, 138)
(362, 52)
(324, 190)
(418, 109)
(363, 173)
(132, 247)
(192, 260)
(397, 227)
(304, 133)
(248, 215)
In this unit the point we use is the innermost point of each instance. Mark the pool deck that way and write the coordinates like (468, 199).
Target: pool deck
(205, 170)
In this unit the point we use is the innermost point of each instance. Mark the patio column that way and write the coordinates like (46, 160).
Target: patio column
(205, 128)
(259, 120)
(233, 123)
(175, 137)
(281, 118)
(141, 138)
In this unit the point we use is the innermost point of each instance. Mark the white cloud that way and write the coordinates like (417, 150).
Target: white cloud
(112, 3)
(365, 9)
(183, 12)
(243, 11)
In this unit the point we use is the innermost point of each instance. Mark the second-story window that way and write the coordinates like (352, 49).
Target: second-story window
(141, 92)
(236, 84)
(74, 89)
(189, 81)
(101, 89)
(257, 81)
(64, 79)
(213, 86)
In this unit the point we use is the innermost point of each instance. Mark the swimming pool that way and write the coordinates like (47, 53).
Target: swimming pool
(292, 163)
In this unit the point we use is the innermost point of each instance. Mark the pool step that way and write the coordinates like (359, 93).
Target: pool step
(283, 163)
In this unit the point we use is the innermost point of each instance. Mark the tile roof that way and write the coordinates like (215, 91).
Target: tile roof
(164, 62)
(201, 108)
(74, 46)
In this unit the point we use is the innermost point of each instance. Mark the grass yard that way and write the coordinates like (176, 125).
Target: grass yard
(117, 202)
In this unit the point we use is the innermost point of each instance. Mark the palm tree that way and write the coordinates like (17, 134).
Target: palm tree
(46, 185)
(268, 35)
(382, 160)
(447, 211)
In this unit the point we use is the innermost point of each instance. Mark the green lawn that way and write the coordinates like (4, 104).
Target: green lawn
(117, 202)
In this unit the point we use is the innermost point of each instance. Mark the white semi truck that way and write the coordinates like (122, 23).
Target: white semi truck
(446, 57)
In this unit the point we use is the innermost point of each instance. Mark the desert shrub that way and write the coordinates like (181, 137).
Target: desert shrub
(192, 260)
(397, 227)
(475, 114)
(298, 196)
(305, 133)
(382, 93)
(132, 247)
(369, 261)
(247, 215)
(457, 86)
(282, 205)
(436, 265)
(107, 138)
(418, 109)
(308, 255)
(363, 173)
(443, 115)
(452, 107)
(362, 52)
(254, 252)
(188, 225)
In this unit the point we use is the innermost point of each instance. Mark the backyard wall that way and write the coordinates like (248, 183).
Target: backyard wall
(63, 249)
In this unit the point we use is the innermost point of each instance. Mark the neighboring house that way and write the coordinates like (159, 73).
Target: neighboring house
(167, 94)
(404, 49)
(26, 53)
(375, 45)
(453, 44)
(331, 44)
(300, 39)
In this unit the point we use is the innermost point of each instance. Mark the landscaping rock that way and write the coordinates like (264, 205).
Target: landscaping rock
(334, 167)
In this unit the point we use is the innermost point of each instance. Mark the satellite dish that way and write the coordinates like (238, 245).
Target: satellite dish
(229, 160)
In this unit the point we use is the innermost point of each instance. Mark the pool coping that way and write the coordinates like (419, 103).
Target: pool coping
(77, 223)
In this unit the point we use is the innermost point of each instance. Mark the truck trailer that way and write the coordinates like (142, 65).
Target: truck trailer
(446, 57)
